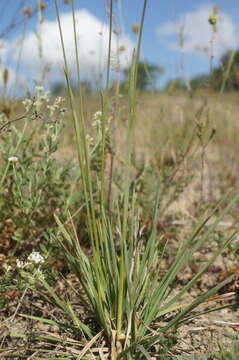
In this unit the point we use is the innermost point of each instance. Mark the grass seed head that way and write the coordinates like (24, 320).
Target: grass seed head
(212, 19)
(41, 6)
(27, 11)
(5, 76)
(121, 48)
(135, 28)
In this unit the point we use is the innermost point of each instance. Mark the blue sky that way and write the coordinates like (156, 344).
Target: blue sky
(164, 20)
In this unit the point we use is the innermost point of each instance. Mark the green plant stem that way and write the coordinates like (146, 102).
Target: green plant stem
(106, 109)
(83, 156)
(132, 97)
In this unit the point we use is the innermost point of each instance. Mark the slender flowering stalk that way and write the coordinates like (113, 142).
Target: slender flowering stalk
(123, 239)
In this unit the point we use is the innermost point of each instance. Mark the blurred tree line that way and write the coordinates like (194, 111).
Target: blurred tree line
(224, 77)
(147, 80)
(147, 77)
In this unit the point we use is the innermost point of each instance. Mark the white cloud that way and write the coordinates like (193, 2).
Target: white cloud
(93, 38)
(3, 50)
(197, 32)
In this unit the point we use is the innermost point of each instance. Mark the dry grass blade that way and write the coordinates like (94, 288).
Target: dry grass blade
(89, 345)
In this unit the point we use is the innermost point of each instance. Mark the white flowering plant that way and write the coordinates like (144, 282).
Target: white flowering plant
(33, 183)
(24, 273)
(33, 269)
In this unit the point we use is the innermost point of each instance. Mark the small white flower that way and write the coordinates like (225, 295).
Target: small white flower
(97, 116)
(27, 104)
(97, 120)
(39, 88)
(7, 268)
(13, 159)
(51, 108)
(36, 258)
(59, 100)
(21, 264)
(38, 273)
(63, 111)
(45, 96)
(38, 103)
(89, 139)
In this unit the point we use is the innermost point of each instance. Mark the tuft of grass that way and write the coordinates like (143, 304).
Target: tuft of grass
(120, 278)
(136, 310)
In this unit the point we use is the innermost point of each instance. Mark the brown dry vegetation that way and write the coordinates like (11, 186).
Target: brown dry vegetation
(190, 135)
